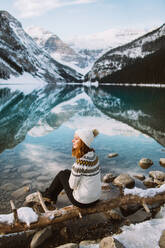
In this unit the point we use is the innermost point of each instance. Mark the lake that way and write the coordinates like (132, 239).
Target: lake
(37, 125)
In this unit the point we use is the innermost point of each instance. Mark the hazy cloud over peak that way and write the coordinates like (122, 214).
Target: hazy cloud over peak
(32, 8)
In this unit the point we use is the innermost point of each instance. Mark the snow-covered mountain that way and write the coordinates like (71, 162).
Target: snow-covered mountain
(146, 48)
(19, 53)
(107, 39)
(59, 50)
(81, 52)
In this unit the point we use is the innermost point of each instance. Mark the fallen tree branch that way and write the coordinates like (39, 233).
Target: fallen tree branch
(71, 212)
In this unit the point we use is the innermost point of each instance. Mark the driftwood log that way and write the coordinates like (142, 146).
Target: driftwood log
(71, 212)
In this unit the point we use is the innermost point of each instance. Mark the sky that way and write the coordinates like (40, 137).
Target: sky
(69, 18)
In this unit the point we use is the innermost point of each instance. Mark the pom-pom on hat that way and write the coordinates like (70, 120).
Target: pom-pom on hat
(87, 135)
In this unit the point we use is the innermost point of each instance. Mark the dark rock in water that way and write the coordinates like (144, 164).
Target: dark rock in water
(111, 155)
(124, 180)
(162, 162)
(110, 242)
(145, 163)
(162, 240)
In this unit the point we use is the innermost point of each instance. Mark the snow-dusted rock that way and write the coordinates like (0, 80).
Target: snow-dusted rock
(160, 175)
(149, 182)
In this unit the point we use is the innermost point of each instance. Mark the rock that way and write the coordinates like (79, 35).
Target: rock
(108, 178)
(40, 237)
(110, 242)
(145, 163)
(8, 187)
(20, 192)
(159, 182)
(124, 180)
(139, 176)
(159, 175)
(162, 162)
(139, 216)
(69, 245)
(112, 155)
(148, 182)
(162, 240)
(26, 182)
(105, 186)
(114, 214)
(87, 243)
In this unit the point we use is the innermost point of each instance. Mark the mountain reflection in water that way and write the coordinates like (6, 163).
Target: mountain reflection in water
(37, 126)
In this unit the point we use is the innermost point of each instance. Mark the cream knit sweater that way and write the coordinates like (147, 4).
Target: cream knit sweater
(85, 178)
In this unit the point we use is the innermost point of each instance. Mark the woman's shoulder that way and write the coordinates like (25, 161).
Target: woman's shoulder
(89, 156)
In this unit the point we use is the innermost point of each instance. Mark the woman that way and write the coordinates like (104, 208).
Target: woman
(82, 183)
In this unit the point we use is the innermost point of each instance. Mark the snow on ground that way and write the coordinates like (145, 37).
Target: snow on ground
(145, 234)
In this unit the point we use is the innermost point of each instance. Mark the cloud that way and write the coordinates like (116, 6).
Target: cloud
(32, 8)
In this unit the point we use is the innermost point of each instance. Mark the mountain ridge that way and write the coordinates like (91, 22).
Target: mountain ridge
(19, 53)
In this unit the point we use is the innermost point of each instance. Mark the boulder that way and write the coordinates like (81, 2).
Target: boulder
(110, 242)
(112, 155)
(145, 163)
(8, 187)
(108, 178)
(20, 192)
(139, 216)
(40, 237)
(149, 182)
(159, 175)
(139, 176)
(124, 180)
(162, 162)
(162, 240)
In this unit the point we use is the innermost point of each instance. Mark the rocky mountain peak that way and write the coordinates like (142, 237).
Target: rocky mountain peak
(19, 53)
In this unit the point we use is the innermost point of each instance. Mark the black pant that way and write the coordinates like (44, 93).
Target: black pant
(60, 182)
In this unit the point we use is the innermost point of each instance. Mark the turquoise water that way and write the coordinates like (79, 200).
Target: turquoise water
(37, 127)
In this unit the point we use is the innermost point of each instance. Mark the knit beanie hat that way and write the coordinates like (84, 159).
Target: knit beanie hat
(87, 135)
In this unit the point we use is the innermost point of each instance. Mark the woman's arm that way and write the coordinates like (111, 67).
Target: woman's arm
(75, 176)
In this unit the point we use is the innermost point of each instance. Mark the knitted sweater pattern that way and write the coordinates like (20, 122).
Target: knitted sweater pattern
(85, 178)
